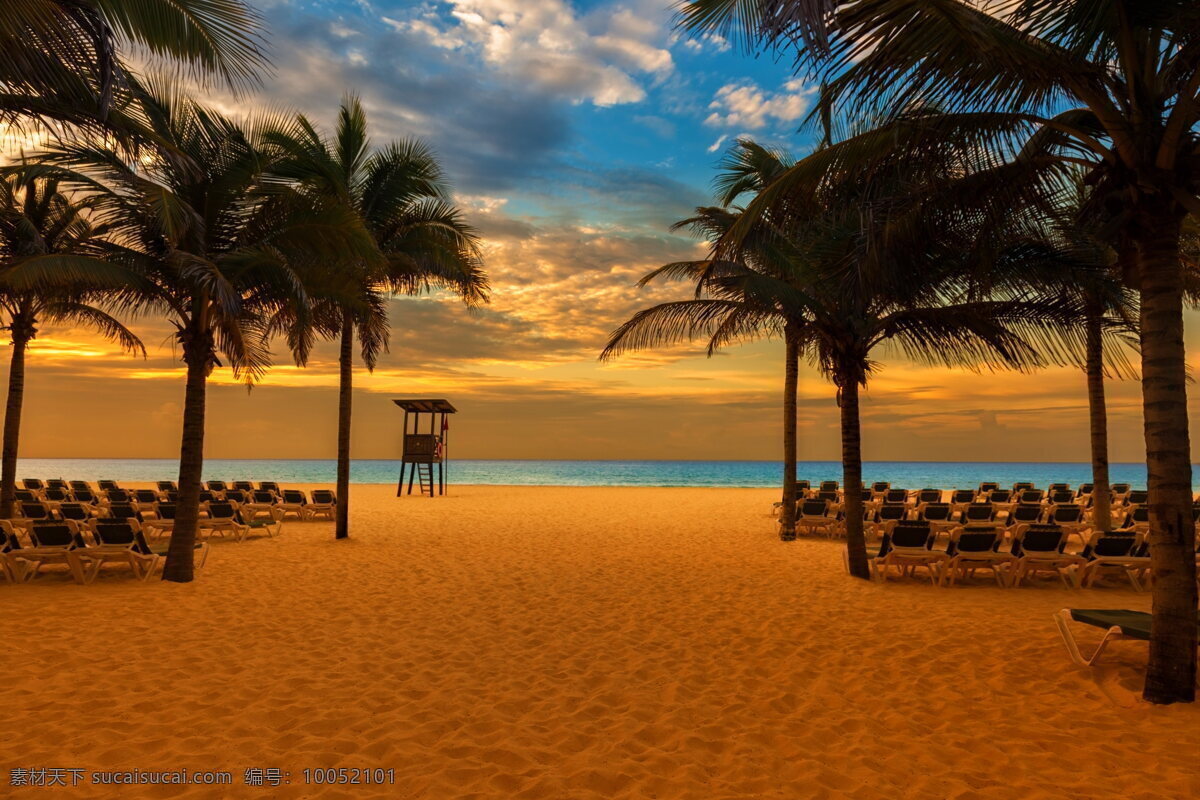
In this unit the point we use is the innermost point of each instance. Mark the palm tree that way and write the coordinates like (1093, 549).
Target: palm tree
(400, 198)
(857, 267)
(48, 273)
(1133, 71)
(61, 59)
(222, 260)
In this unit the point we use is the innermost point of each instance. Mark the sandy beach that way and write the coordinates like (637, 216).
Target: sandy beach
(578, 643)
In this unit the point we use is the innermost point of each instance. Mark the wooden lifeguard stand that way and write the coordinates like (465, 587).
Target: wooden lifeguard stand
(425, 450)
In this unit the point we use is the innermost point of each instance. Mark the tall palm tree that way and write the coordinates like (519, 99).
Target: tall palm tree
(747, 169)
(48, 273)
(400, 197)
(223, 260)
(1132, 69)
(61, 59)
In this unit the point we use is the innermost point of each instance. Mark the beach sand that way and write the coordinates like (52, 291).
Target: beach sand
(578, 643)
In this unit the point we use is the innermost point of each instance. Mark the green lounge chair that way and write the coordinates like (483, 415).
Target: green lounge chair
(1119, 624)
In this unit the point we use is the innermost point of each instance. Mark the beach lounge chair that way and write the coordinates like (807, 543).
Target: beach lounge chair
(928, 495)
(33, 513)
(222, 518)
(1061, 497)
(85, 496)
(1021, 486)
(26, 496)
(975, 547)
(1136, 521)
(884, 518)
(107, 486)
(324, 504)
(1119, 490)
(58, 483)
(892, 496)
(1023, 514)
(802, 488)
(167, 486)
(236, 496)
(1031, 496)
(52, 543)
(828, 486)
(938, 515)
(260, 504)
(1058, 487)
(9, 541)
(163, 521)
(1112, 551)
(244, 486)
(878, 488)
(76, 512)
(961, 498)
(1042, 548)
(145, 497)
(1117, 623)
(120, 541)
(907, 548)
(816, 515)
(119, 496)
(1136, 497)
(1070, 518)
(1085, 490)
(33, 484)
(80, 486)
(123, 511)
(53, 495)
(272, 486)
(216, 487)
(1001, 500)
(295, 502)
(986, 488)
(208, 496)
(978, 514)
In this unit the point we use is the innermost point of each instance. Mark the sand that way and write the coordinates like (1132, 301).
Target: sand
(578, 643)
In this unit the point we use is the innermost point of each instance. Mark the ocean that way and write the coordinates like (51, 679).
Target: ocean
(901, 474)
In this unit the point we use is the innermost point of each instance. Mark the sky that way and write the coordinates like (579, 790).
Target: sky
(574, 133)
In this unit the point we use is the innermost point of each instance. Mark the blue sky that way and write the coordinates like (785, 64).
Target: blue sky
(574, 133)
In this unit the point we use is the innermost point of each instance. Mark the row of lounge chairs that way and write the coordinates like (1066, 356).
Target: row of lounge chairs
(83, 550)
(1037, 549)
(48, 503)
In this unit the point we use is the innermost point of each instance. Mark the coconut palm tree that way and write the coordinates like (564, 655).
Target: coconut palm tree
(399, 195)
(61, 59)
(222, 260)
(1132, 73)
(48, 273)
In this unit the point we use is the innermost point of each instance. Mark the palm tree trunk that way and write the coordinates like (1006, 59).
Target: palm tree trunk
(856, 543)
(1170, 675)
(12, 426)
(180, 562)
(1098, 416)
(345, 396)
(791, 380)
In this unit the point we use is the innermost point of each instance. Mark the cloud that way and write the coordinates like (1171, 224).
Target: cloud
(600, 58)
(749, 106)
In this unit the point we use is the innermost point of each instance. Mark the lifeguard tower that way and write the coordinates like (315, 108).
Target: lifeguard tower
(425, 445)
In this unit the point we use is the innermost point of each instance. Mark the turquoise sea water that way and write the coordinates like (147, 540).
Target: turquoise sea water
(901, 474)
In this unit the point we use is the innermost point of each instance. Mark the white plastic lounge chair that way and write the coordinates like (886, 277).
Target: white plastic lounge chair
(816, 515)
(907, 548)
(975, 547)
(117, 541)
(52, 543)
(1118, 624)
(324, 504)
(1112, 551)
(1041, 549)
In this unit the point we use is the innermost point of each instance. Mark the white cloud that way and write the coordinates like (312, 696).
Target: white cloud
(599, 58)
(749, 106)
(715, 146)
